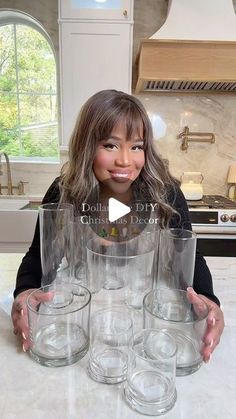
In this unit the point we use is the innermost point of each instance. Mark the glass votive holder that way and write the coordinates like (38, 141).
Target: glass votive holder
(150, 386)
(111, 330)
(59, 328)
(171, 310)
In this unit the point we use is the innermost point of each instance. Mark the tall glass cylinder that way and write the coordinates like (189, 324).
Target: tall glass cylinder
(176, 258)
(56, 238)
(82, 233)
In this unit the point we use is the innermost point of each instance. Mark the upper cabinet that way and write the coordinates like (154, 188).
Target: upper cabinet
(95, 53)
(121, 10)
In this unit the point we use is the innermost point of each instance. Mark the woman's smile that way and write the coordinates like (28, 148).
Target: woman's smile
(120, 176)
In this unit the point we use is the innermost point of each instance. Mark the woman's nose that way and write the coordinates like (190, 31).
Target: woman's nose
(124, 158)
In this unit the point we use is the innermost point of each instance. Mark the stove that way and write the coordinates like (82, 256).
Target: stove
(214, 221)
(213, 201)
(213, 213)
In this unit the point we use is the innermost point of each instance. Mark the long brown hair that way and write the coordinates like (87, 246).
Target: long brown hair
(95, 122)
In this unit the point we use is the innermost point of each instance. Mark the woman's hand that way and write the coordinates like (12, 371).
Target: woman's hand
(19, 314)
(215, 323)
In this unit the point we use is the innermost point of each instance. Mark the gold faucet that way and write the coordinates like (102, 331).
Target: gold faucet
(10, 187)
(198, 137)
(9, 181)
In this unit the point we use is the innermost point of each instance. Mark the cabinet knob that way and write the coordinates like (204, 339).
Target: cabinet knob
(125, 13)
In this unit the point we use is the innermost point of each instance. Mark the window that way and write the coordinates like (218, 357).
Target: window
(28, 90)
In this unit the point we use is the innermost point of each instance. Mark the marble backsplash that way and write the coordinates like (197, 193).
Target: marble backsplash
(214, 113)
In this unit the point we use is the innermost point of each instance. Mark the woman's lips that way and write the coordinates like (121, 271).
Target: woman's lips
(120, 176)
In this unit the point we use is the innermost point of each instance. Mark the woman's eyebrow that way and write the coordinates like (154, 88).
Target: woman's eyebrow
(139, 140)
(114, 137)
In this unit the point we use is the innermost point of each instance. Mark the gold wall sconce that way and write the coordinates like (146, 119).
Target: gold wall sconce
(197, 137)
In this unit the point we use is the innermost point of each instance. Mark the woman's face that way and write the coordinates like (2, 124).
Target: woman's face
(118, 161)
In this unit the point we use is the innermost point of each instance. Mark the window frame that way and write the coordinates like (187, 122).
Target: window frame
(14, 17)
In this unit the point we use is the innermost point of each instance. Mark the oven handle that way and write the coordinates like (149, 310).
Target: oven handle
(216, 236)
(212, 230)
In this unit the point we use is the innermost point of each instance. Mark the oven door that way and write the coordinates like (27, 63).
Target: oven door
(218, 244)
(214, 238)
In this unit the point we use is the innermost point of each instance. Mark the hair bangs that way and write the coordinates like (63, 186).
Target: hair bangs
(133, 123)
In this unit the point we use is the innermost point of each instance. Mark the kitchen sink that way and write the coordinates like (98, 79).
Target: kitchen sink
(12, 204)
(31, 205)
(17, 223)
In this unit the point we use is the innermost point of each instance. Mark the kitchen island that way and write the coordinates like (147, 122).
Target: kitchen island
(29, 390)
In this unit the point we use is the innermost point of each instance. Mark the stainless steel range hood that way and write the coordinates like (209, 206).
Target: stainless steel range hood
(174, 59)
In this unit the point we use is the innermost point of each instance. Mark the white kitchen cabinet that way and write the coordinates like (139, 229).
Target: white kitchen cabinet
(96, 9)
(93, 56)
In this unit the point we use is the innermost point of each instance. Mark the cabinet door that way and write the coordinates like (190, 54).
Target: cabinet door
(96, 9)
(94, 56)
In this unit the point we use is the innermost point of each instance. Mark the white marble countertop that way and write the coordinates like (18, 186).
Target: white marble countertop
(29, 390)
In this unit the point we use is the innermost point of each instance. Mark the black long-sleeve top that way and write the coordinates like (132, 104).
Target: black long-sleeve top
(30, 271)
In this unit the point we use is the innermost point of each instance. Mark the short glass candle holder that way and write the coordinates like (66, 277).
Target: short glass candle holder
(59, 328)
(171, 310)
(111, 330)
(150, 386)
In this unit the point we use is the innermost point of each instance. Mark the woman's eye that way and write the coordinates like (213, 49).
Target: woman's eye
(110, 146)
(137, 147)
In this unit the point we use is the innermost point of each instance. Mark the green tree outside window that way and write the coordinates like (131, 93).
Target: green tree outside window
(28, 94)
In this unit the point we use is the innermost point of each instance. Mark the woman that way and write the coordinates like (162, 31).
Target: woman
(112, 147)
